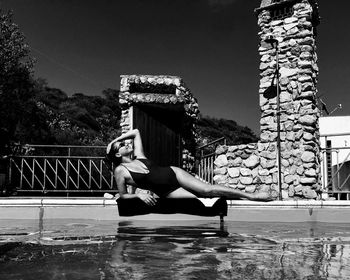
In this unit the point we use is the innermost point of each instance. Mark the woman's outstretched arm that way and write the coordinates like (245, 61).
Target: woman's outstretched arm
(135, 135)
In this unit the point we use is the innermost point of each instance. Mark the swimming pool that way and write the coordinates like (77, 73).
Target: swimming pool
(90, 249)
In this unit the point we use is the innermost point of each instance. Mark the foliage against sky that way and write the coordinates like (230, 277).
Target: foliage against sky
(33, 112)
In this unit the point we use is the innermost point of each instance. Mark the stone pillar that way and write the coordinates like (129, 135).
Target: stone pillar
(293, 24)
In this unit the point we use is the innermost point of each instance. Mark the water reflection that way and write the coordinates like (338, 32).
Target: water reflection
(205, 253)
(181, 250)
(162, 252)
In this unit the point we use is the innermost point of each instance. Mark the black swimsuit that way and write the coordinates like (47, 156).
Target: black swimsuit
(160, 180)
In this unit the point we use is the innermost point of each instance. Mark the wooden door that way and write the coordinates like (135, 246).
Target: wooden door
(160, 128)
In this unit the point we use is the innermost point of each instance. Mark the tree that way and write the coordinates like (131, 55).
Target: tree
(210, 129)
(79, 119)
(16, 82)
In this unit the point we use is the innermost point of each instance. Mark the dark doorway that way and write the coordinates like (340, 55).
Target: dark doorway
(160, 127)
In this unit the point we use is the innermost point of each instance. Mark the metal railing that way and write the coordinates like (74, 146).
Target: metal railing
(336, 166)
(67, 170)
(207, 158)
(77, 169)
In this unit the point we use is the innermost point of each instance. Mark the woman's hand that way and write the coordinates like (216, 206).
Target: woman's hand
(147, 198)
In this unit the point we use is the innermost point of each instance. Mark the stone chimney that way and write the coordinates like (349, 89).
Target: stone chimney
(293, 24)
(254, 167)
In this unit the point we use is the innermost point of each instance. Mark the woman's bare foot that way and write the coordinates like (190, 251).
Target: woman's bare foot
(265, 196)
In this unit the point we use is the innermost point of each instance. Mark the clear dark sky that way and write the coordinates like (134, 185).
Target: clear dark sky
(85, 45)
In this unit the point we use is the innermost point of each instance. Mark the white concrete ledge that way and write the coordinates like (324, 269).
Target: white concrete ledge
(60, 202)
(14, 202)
(42, 202)
(72, 202)
(291, 204)
(239, 210)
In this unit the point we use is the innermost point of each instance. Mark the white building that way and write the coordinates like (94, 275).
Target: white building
(335, 144)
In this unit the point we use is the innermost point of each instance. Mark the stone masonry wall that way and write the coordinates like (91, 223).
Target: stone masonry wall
(254, 167)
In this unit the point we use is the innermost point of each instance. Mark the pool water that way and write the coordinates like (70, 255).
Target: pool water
(64, 249)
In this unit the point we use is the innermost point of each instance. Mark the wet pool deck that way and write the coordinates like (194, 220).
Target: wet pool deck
(101, 209)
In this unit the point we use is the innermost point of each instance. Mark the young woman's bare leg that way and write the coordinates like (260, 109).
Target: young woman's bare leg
(181, 193)
(193, 185)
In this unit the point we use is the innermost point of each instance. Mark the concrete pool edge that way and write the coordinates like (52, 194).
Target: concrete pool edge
(106, 209)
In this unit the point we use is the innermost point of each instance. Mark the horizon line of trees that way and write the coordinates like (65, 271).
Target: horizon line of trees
(33, 112)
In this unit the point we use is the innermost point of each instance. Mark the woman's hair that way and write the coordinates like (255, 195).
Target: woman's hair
(111, 159)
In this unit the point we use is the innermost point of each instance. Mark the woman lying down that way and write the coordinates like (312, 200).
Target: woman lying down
(131, 167)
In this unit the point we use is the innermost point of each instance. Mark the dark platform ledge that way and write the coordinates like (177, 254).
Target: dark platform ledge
(193, 206)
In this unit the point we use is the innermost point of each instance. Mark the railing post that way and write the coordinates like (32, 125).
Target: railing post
(323, 155)
(44, 175)
(56, 173)
(21, 172)
(9, 179)
(67, 174)
(90, 174)
(33, 174)
(78, 177)
(112, 179)
(212, 169)
(338, 171)
(101, 174)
